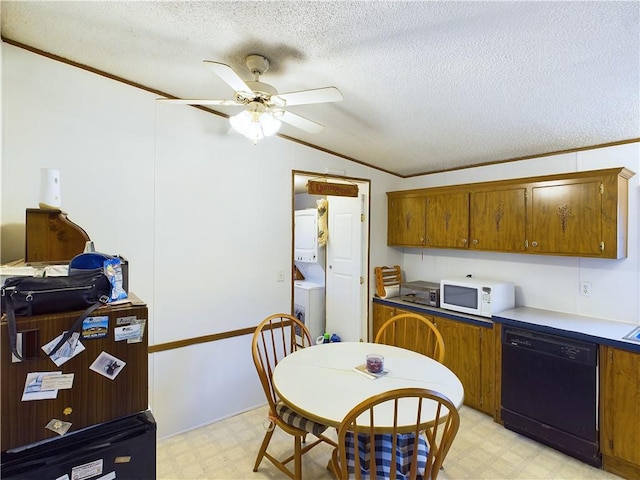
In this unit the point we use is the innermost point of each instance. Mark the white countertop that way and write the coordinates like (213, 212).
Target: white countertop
(599, 328)
(591, 329)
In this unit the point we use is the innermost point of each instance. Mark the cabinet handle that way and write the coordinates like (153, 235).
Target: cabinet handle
(475, 241)
(464, 240)
(534, 244)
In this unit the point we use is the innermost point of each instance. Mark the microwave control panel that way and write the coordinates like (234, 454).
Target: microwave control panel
(486, 300)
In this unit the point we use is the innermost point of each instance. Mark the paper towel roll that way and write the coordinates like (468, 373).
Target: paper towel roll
(50, 188)
(391, 291)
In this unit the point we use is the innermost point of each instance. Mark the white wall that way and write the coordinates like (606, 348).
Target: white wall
(547, 282)
(203, 217)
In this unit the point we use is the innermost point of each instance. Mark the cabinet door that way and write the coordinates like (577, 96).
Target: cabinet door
(497, 220)
(566, 218)
(405, 224)
(620, 409)
(381, 313)
(463, 356)
(447, 220)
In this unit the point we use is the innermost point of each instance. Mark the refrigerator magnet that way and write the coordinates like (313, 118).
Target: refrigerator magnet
(58, 426)
(95, 327)
(107, 365)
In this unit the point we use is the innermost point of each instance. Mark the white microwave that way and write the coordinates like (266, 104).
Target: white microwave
(476, 296)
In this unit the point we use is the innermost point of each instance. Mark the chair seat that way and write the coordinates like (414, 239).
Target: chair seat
(383, 450)
(296, 420)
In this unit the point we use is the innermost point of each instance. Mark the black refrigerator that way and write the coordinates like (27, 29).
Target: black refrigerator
(120, 449)
(94, 397)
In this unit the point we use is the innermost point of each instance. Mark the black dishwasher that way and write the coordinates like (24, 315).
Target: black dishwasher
(550, 391)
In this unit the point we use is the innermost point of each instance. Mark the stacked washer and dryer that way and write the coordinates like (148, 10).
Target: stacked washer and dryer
(309, 258)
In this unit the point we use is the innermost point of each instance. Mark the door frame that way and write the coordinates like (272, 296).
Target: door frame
(298, 181)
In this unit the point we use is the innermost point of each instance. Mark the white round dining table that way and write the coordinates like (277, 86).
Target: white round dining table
(320, 382)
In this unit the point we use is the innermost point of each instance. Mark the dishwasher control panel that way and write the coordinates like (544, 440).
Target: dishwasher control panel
(554, 345)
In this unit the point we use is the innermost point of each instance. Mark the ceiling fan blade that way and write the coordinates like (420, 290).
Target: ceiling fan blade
(317, 95)
(226, 73)
(300, 122)
(187, 101)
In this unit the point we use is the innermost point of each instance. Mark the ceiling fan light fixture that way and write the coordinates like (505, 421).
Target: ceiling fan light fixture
(241, 121)
(264, 107)
(255, 123)
(254, 132)
(270, 125)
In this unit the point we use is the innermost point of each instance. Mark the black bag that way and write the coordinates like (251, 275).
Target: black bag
(26, 296)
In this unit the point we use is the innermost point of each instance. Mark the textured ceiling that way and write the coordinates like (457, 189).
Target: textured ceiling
(427, 86)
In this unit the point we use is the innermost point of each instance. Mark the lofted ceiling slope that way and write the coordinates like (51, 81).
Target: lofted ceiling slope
(428, 85)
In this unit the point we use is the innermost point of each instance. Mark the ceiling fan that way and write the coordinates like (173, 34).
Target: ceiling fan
(264, 107)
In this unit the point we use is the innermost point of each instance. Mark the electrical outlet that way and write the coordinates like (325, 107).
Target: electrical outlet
(585, 289)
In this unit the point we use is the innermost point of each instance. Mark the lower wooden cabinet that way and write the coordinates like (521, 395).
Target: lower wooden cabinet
(381, 313)
(620, 411)
(469, 353)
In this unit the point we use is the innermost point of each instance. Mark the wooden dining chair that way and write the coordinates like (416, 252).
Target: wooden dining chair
(395, 445)
(413, 332)
(273, 339)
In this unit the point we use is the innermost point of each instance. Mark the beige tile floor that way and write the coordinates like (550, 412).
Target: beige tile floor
(482, 450)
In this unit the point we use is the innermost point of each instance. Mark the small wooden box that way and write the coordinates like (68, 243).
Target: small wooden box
(51, 237)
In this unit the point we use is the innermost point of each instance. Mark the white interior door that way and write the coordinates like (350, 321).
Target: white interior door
(345, 266)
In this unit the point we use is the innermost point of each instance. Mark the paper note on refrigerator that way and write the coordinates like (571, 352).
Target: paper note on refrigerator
(33, 387)
(126, 332)
(70, 349)
(57, 382)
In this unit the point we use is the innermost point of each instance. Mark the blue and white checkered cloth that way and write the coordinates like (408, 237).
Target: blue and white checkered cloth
(383, 449)
(298, 421)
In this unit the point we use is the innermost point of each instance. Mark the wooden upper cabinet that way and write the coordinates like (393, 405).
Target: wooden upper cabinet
(406, 220)
(447, 220)
(579, 214)
(498, 220)
(584, 216)
(567, 219)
